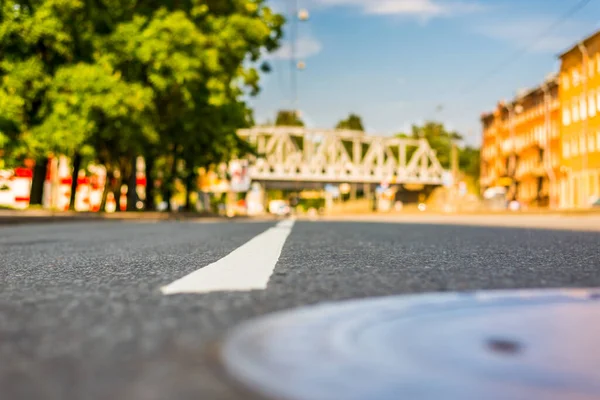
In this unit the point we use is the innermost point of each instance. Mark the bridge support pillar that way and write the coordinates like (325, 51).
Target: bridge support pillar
(367, 190)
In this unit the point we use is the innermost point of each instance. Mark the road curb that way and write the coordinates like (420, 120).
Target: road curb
(17, 218)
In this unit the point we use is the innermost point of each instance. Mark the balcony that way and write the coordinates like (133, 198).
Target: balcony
(538, 170)
(530, 170)
(507, 146)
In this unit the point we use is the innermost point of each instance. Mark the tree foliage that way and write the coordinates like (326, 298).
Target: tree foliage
(353, 122)
(470, 162)
(288, 118)
(441, 139)
(114, 79)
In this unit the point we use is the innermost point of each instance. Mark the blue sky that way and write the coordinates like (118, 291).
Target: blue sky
(394, 61)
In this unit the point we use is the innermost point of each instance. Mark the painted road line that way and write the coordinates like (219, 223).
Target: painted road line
(248, 267)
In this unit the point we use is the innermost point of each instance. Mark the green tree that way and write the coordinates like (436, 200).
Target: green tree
(288, 118)
(353, 122)
(440, 139)
(114, 79)
(92, 113)
(199, 59)
(37, 39)
(469, 162)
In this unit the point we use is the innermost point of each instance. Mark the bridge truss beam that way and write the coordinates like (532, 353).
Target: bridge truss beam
(316, 155)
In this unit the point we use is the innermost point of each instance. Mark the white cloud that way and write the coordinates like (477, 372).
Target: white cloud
(305, 48)
(416, 8)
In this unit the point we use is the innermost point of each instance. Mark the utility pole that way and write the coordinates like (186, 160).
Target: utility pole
(454, 161)
(293, 61)
(454, 167)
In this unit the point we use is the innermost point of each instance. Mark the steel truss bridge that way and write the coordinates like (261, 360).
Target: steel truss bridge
(338, 156)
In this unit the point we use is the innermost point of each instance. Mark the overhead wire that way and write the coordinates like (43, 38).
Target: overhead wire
(524, 50)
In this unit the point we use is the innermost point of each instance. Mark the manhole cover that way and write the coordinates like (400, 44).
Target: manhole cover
(540, 344)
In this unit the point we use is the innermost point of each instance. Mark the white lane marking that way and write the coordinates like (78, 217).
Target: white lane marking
(248, 267)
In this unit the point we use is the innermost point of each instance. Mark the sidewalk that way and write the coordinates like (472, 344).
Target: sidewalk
(15, 217)
(579, 222)
(429, 212)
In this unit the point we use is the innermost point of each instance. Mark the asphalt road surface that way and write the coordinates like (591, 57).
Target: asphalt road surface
(85, 314)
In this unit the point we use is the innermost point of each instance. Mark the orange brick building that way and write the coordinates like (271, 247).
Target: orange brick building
(521, 146)
(580, 123)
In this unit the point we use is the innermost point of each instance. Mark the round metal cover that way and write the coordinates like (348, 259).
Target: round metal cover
(541, 344)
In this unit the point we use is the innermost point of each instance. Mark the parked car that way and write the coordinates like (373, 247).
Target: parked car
(279, 207)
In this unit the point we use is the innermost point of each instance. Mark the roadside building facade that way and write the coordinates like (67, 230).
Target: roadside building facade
(543, 147)
(491, 163)
(580, 123)
(521, 147)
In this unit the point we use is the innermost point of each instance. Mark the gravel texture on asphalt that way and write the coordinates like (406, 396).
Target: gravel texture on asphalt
(82, 317)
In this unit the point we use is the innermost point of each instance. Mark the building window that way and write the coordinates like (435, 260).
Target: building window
(575, 74)
(582, 107)
(592, 143)
(574, 149)
(582, 144)
(566, 116)
(592, 105)
(598, 140)
(566, 150)
(565, 81)
(575, 111)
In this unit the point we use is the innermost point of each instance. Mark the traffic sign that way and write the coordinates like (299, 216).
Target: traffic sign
(240, 180)
(334, 190)
(462, 189)
(447, 179)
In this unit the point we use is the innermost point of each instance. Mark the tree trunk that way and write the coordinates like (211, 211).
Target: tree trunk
(76, 166)
(107, 188)
(168, 192)
(124, 167)
(117, 191)
(189, 185)
(150, 205)
(37, 185)
(131, 186)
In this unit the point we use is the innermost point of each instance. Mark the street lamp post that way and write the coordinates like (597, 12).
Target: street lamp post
(296, 14)
(512, 110)
(584, 149)
(548, 144)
